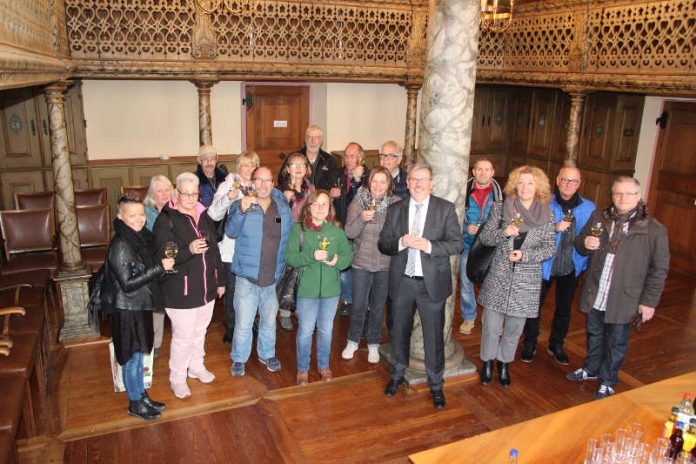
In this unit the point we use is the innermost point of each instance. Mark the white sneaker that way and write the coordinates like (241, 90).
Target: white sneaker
(204, 376)
(373, 354)
(349, 350)
(181, 390)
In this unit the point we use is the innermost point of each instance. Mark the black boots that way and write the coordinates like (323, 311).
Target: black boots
(142, 410)
(229, 334)
(156, 405)
(504, 374)
(486, 373)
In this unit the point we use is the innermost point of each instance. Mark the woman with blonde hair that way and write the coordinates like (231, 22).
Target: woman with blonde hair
(158, 194)
(522, 229)
(235, 187)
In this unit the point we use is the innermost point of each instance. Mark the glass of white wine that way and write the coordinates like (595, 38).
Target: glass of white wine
(324, 243)
(517, 219)
(597, 229)
(568, 216)
(171, 250)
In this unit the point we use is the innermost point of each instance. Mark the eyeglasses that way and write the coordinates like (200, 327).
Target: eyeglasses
(188, 195)
(624, 194)
(320, 204)
(388, 155)
(570, 181)
(419, 180)
(297, 165)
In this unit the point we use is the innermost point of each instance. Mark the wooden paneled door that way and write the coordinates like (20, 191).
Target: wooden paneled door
(276, 120)
(672, 198)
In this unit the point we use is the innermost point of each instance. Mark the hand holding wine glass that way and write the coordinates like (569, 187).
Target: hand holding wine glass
(171, 250)
(593, 241)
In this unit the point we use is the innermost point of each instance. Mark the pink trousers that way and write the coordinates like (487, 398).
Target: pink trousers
(188, 340)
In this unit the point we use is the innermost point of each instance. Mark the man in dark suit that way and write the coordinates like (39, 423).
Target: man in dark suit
(420, 234)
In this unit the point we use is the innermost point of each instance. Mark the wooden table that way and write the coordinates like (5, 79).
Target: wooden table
(563, 435)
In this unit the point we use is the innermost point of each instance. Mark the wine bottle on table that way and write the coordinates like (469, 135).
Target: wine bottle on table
(676, 441)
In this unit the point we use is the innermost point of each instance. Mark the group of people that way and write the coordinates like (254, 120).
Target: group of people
(542, 235)
(365, 241)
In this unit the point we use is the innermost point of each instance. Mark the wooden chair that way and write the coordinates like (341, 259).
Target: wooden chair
(5, 313)
(34, 200)
(96, 196)
(29, 238)
(139, 191)
(94, 226)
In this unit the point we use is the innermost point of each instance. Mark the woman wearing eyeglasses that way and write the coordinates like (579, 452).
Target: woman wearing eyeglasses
(321, 251)
(189, 293)
(296, 185)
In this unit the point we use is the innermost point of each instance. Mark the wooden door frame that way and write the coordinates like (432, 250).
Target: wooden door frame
(243, 107)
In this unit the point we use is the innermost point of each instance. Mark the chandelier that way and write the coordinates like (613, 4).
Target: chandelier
(496, 15)
(216, 6)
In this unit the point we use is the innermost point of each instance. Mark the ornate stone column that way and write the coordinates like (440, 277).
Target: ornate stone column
(577, 99)
(205, 128)
(411, 115)
(447, 104)
(72, 277)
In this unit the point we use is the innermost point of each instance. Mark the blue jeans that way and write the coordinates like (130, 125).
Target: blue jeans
(607, 345)
(248, 300)
(133, 377)
(467, 299)
(347, 286)
(319, 313)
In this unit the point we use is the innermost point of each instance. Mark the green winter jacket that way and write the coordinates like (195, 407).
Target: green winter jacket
(317, 280)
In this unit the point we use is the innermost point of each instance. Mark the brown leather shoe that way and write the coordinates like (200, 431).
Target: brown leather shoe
(326, 374)
(302, 378)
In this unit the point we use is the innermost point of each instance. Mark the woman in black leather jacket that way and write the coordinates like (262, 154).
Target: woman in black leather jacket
(131, 291)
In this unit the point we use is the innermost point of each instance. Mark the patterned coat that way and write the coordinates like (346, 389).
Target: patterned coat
(514, 290)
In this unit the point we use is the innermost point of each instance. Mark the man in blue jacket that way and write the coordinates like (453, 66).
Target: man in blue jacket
(571, 212)
(209, 174)
(261, 226)
(482, 190)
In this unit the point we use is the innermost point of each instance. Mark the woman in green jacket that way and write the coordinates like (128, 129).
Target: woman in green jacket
(320, 250)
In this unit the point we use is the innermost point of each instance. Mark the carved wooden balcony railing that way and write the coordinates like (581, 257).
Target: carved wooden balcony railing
(646, 46)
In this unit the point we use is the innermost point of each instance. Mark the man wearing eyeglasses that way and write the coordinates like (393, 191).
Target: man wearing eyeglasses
(261, 225)
(571, 212)
(209, 174)
(628, 262)
(420, 234)
(390, 155)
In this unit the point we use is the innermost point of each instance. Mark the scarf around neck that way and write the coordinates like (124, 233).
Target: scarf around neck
(363, 197)
(536, 215)
(143, 242)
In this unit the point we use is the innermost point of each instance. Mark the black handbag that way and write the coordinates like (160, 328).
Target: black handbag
(480, 257)
(286, 288)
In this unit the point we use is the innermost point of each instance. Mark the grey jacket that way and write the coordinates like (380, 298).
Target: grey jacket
(365, 235)
(640, 267)
(515, 290)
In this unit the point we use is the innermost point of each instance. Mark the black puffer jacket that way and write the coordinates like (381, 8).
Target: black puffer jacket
(198, 275)
(130, 279)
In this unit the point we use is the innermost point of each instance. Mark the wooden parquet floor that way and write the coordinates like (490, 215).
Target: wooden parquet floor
(263, 417)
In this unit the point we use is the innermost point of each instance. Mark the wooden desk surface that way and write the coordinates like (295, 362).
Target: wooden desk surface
(562, 437)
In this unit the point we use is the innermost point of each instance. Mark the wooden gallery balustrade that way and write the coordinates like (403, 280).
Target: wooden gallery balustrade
(602, 50)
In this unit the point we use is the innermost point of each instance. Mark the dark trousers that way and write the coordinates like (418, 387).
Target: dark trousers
(412, 293)
(565, 292)
(368, 287)
(607, 345)
(230, 280)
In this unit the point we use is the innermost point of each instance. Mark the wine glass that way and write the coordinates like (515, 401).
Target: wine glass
(252, 193)
(171, 250)
(415, 231)
(568, 216)
(517, 219)
(597, 229)
(324, 243)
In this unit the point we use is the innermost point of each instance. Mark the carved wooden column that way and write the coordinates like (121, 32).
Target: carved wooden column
(447, 104)
(205, 128)
(411, 119)
(72, 276)
(577, 99)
